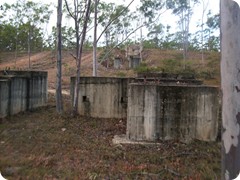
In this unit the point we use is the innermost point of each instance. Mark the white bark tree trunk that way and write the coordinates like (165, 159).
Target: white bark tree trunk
(59, 103)
(77, 82)
(230, 85)
(95, 39)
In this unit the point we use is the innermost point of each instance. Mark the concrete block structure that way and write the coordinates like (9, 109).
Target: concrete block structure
(102, 97)
(156, 109)
(21, 91)
(133, 54)
(134, 62)
(172, 112)
(117, 63)
(4, 97)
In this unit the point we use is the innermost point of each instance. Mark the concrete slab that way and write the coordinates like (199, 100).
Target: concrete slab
(122, 139)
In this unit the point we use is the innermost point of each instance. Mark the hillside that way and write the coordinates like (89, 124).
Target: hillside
(153, 60)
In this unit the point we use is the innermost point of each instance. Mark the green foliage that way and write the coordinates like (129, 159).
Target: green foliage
(115, 19)
(151, 8)
(205, 74)
(121, 74)
(187, 69)
(213, 21)
(143, 68)
(22, 21)
(171, 66)
(9, 40)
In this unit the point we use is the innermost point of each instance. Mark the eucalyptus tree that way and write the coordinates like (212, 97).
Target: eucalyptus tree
(156, 34)
(34, 15)
(184, 10)
(79, 11)
(108, 16)
(213, 31)
(29, 15)
(59, 103)
(150, 11)
(204, 8)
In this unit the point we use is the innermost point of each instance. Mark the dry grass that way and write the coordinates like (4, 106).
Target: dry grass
(44, 145)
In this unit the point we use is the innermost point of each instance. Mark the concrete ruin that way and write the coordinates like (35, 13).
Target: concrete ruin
(102, 97)
(160, 107)
(164, 112)
(133, 54)
(21, 91)
(117, 63)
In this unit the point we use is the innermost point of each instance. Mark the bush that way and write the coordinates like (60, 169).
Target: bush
(143, 68)
(206, 74)
(121, 74)
(171, 66)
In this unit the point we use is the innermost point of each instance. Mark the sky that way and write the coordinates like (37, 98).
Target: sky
(166, 18)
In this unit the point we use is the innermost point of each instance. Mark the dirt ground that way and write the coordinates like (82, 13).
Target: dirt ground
(43, 145)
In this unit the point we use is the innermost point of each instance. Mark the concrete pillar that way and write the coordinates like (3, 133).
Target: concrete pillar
(230, 84)
(134, 62)
(117, 63)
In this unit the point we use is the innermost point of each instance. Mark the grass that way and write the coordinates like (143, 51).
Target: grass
(44, 145)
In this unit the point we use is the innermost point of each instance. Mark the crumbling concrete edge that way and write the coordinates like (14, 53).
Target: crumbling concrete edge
(122, 139)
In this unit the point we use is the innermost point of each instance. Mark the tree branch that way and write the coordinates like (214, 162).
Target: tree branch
(144, 24)
(111, 21)
(69, 9)
(122, 41)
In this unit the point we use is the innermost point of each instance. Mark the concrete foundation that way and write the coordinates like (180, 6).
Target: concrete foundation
(21, 91)
(172, 112)
(102, 97)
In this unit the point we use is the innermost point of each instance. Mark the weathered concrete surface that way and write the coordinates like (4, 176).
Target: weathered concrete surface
(18, 95)
(117, 63)
(122, 139)
(38, 89)
(134, 62)
(21, 91)
(4, 97)
(172, 112)
(36, 85)
(102, 97)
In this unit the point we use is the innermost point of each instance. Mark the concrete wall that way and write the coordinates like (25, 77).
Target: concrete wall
(17, 95)
(172, 112)
(38, 90)
(21, 91)
(4, 97)
(134, 62)
(102, 97)
(117, 63)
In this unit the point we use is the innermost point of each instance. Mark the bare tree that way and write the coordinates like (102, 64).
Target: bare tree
(204, 8)
(80, 15)
(183, 9)
(59, 103)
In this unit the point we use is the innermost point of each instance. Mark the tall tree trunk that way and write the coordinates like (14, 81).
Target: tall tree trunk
(29, 47)
(230, 85)
(16, 49)
(95, 40)
(59, 103)
(204, 6)
(76, 90)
